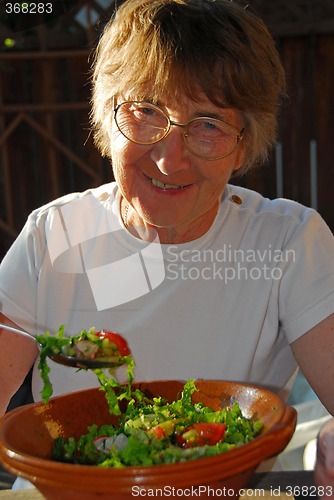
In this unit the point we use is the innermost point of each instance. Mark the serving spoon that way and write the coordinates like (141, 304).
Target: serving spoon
(72, 361)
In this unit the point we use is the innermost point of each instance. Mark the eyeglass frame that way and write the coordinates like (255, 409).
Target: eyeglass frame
(239, 134)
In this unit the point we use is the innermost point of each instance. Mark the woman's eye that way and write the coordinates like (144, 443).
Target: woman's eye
(146, 110)
(149, 111)
(209, 125)
(205, 128)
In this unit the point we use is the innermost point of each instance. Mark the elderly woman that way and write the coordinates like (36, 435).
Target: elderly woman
(204, 279)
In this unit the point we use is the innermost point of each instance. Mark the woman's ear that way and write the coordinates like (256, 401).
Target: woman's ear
(239, 157)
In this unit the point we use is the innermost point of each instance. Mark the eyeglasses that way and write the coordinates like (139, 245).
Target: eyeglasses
(208, 138)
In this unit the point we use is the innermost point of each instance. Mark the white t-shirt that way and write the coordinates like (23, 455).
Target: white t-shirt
(225, 306)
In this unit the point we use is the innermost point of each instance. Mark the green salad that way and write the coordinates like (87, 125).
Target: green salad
(88, 344)
(148, 431)
(157, 432)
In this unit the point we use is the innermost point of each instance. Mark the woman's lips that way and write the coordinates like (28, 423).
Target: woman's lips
(166, 186)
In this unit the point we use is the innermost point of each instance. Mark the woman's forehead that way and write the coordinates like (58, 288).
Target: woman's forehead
(164, 95)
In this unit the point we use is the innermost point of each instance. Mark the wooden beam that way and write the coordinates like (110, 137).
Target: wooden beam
(61, 147)
(11, 127)
(43, 107)
(7, 228)
(44, 54)
(285, 30)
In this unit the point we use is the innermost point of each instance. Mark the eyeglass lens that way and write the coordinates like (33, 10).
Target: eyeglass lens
(145, 123)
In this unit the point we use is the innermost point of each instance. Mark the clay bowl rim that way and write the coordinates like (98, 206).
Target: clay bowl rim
(269, 443)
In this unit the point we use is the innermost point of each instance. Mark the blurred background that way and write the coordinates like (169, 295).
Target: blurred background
(45, 146)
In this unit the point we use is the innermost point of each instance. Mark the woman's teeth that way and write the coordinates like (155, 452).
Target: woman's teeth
(159, 184)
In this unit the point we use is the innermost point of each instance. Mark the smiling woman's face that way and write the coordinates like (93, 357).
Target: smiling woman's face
(168, 187)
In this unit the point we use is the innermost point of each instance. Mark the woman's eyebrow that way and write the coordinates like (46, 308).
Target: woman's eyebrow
(208, 114)
(225, 114)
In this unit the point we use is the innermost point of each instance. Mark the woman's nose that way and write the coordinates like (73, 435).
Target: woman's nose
(171, 154)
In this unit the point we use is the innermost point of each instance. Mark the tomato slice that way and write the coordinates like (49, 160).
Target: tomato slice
(116, 339)
(157, 431)
(201, 434)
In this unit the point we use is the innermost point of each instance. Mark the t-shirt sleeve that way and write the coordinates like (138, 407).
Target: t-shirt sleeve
(19, 273)
(306, 295)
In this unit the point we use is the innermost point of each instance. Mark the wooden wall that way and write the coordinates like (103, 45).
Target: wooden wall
(45, 146)
(306, 127)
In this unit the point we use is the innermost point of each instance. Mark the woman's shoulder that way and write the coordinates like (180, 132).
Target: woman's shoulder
(97, 195)
(258, 205)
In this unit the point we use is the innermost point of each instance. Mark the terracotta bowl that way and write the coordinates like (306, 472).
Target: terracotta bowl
(27, 433)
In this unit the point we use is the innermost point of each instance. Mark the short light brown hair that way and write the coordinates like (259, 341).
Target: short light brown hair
(185, 46)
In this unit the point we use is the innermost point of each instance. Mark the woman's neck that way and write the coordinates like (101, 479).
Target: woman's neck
(141, 229)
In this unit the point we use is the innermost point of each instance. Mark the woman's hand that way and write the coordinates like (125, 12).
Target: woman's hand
(324, 468)
(17, 355)
(314, 353)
